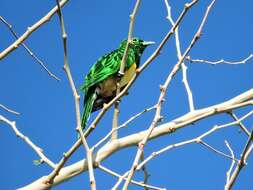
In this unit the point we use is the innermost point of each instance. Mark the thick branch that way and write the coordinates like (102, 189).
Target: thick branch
(68, 172)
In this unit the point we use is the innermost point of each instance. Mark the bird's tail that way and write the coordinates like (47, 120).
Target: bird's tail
(88, 104)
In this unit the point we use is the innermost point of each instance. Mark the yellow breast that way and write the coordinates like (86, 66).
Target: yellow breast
(128, 76)
(109, 85)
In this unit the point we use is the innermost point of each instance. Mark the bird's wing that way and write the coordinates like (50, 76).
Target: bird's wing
(106, 66)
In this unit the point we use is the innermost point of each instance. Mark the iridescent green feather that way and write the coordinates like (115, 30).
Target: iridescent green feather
(106, 66)
(89, 100)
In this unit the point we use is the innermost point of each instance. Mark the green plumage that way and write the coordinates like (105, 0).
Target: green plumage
(106, 68)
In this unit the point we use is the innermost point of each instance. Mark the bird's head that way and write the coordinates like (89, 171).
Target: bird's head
(137, 44)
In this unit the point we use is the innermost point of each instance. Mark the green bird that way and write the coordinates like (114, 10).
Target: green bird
(101, 82)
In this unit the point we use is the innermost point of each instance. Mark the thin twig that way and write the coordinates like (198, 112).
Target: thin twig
(77, 108)
(30, 30)
(222, 61)
(113, 173)
(123, 125)
(242, 100)
(121, 178)
(122, 67)
(179, 55)
(194, 140)
(217, 151)
(129, 37)
(145, 171)
(228, 174)
(9, 110)
(244, 156)
(28, 50)
(250, 149)
(158, 116)
(244, 129)
(37, 149)
(115, 120)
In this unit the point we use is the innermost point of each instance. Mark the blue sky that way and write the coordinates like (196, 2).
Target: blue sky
(95, 28)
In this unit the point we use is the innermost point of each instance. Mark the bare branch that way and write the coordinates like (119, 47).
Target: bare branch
(29, 51)
(217, 151)
(112, 147)
(129, 37)
(122, 67)
(244, 129)
(113, 173)
(55, 172)
(244, 156)
(232, 163)
(30, 30)
(195, 140)
(37, 149)
(222, 61)
(145, 171)
(9, 110)
(123, 125)
(179, 55)
(115, 187)
(158, 117)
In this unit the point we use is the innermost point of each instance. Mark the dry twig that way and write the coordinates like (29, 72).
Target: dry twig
(228, 174)
(9, 110)
(179, 55)
(244, 156)
(113, 173)
(29, 51)
(122, 68)
(55, 172)
(158, 117)
(242, 100)
(30, 30)
(122, 126)
(243, 128)
(222, 61)
(37, 149)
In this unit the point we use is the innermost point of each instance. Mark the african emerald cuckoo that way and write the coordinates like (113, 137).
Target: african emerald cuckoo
(101, 82)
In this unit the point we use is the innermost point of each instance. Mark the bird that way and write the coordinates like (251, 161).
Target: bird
(100, 83)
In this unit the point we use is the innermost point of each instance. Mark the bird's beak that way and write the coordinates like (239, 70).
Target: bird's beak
(147, 43)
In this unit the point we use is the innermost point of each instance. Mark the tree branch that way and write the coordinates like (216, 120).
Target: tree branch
(37, 149)
(113, 173)
(244, 156)
(29, 51)
(244, 129)
(122, 68)
(9, 110)
(222, 61)
(179, 55)
(30, 30)
(56, 171)
(112, 147)
(228, 174)
(158, 117)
